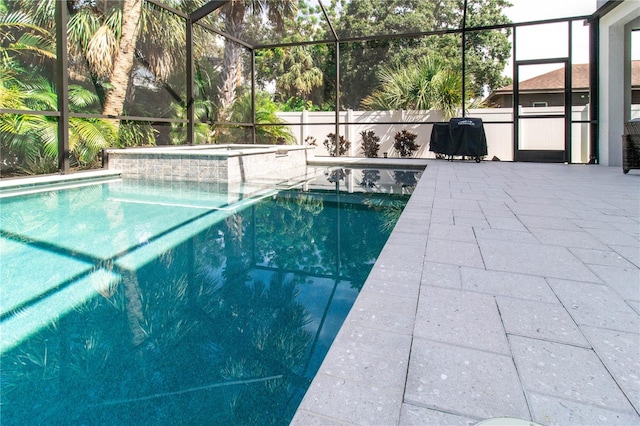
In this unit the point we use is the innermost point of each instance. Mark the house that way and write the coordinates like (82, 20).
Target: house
(548, 89)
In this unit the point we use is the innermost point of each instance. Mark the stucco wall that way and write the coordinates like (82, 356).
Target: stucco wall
(615, 78)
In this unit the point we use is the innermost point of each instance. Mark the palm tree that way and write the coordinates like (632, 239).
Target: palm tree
(298, 74)
(124, 56)
(29, 143)
(270, 128)
(19, 34)
(421, 86)
(36, 136)
(104, 36)
(233, 15)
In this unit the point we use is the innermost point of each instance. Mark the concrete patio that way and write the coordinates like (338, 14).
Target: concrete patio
(505, 290)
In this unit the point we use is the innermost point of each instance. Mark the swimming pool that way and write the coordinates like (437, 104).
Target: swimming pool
(136, 302)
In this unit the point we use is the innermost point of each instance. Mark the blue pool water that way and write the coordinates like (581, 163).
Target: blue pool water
(135, 302)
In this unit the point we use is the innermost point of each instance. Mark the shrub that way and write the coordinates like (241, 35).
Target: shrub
(370, 143)
(330, 144)
(405, 143)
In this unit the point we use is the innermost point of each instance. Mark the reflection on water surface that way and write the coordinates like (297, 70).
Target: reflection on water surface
(176, 304)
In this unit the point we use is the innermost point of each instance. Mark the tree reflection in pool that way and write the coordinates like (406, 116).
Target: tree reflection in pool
(227, 327)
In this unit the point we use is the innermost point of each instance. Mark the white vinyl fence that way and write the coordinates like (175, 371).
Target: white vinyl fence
(535, 133)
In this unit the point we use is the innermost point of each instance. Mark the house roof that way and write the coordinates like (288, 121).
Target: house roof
(554, 80)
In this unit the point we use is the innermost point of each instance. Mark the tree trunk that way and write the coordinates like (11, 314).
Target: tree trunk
(231, 74)
(230, 79)
(135, 316)
(123, 63)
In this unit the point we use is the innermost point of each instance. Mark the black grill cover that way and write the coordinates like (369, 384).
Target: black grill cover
(468, 137)
(439, 141)
(461, 136)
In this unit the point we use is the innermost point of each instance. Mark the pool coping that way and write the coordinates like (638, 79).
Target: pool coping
(210, 150)
(386, 163)
(23, 185)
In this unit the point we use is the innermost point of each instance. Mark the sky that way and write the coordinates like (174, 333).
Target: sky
(534, 10)
(551, 40)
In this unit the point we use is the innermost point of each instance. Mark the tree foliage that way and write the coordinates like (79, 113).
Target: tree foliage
(29, 144)
(270, 128)
(361, 62)
(423, 85)
(296, 72)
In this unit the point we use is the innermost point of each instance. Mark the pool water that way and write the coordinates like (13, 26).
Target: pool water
(136, 302)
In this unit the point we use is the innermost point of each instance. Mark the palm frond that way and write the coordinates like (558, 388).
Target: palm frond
(81, 97)
(14, 20)
(40, 94)
(114, 19)
(11, 97)
(101, 50)
(42, 12)
(163, 36)
(18, 33)
(47, 133)
(425, 85)
(82, 25)
(88, 136)
(39, 164)
(43, 46)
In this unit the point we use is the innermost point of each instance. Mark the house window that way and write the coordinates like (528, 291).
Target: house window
(540, 104)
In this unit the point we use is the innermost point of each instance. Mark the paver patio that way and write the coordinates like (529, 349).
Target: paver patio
(505, 290)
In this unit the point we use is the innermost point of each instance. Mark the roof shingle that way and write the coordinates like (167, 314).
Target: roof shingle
(554, 80)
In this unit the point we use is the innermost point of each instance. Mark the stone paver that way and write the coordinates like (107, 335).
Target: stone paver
(538, 320)
(460, 318)
(619, 278)
(552, 411)
(364, 367)
(464, 381)
(632, 254)
(454, 252)
(386, 344)
(414, 415)
(619, 351)
(534, 259)
(441, 275)
(596, 305)
(518, 296)
(347, 401)
(601, 258)
(439, 231)
(565, 371)
(507, 284)
(558, 237)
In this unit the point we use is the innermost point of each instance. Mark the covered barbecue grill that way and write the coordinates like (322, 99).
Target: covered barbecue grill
(460, 136)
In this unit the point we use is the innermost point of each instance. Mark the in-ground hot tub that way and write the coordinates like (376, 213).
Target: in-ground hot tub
(210, 163)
